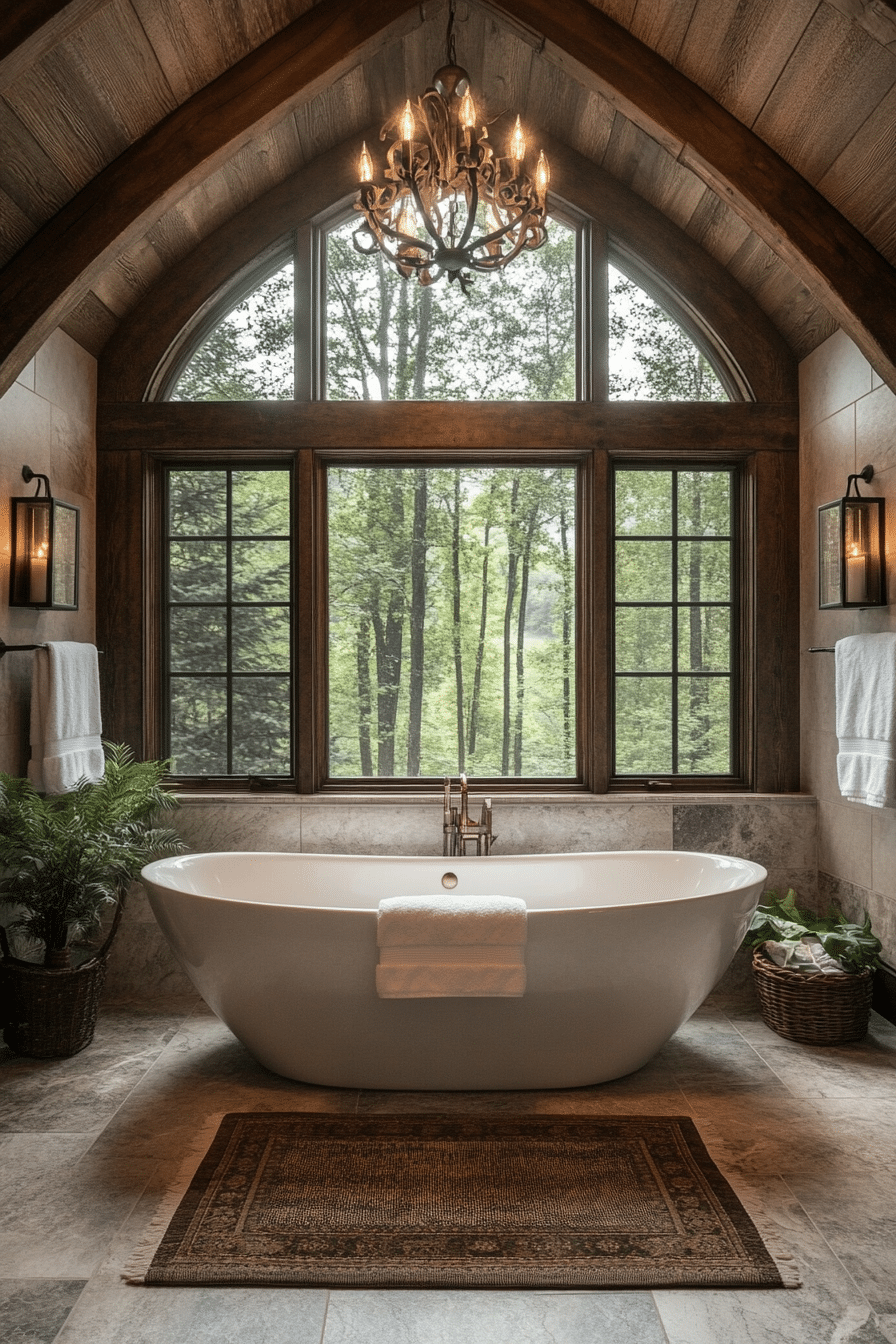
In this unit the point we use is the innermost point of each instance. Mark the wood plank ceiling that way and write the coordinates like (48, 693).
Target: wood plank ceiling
(815, 79)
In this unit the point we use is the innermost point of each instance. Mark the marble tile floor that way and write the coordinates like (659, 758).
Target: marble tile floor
(88, 1145)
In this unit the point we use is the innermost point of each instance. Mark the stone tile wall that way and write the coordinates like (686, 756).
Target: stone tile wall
(776, 831)
(848, 419)
(47, 421)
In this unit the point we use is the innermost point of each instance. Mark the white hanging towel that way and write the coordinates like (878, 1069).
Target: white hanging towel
(434, 947)
(65, 718)
(866, 718)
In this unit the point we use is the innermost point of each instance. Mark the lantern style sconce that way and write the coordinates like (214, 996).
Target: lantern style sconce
(44, 562)
(852, 568)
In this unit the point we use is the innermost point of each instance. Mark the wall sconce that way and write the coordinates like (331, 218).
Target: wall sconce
(852, 568)
(44, 564)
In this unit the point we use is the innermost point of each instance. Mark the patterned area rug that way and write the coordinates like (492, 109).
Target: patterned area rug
(459, 1201)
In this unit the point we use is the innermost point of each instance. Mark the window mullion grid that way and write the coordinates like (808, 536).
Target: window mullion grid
(675, 592)
(229, 617)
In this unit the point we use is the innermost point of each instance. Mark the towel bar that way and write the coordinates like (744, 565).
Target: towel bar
(22, 648)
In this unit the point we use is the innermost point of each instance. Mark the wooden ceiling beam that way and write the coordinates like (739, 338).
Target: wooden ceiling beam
(31, 28)
(55, 268)
(832, 258)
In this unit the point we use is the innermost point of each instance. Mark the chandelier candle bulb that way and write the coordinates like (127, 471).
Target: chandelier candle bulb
(517, 144)
(406, 129)
(365, 164)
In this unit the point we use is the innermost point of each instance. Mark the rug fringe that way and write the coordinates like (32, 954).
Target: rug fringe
(138, 1264)
(762, 1220)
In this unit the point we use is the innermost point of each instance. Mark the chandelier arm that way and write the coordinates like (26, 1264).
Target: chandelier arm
(421, 209)
(472, 206)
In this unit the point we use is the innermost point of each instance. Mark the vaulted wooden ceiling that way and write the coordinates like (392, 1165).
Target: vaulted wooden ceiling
(131, 130)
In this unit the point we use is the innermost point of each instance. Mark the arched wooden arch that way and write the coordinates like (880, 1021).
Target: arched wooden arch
(206, 283)
(832, 258)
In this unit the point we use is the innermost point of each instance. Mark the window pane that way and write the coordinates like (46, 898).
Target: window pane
(262, 726)
(704, 571)
(704, 726)
(197, 503)
(704, 639)
(644, 724)
(644, 503)
(651, 357)
(260, 571)
(644, 639)
(249, 356)
(511, 337)
(261, 639)
(198, 639)
(197, 571)
(643, 571)
(451, 621)
(704, 503)
(198, 743)
(260, 504)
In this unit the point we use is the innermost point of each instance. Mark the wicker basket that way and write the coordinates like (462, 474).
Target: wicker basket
(812, 1009)
(47, 1013)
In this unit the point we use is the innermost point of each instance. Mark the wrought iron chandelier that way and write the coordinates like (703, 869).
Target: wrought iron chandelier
(450, 205)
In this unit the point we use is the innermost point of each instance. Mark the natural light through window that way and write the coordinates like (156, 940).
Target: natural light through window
(651, 357)
(510, 338)
(451, 614)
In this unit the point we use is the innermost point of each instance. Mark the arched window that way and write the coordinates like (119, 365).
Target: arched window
(508, 532)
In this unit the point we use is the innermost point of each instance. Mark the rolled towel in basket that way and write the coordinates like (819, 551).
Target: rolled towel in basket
(451, 947)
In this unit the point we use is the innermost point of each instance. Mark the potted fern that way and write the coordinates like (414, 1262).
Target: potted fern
(813, 973)
(65, 861)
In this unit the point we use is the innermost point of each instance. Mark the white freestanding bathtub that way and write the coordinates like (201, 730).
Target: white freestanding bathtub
(622, 948)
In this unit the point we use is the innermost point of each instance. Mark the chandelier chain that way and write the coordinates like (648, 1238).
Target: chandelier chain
(449, 37)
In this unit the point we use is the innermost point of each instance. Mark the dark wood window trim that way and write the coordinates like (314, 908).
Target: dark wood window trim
(136, 441)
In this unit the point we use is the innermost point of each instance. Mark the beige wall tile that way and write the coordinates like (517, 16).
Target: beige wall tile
(834, 375)
(66, 376)
(876, 432)
(883, 851)
(844, 841)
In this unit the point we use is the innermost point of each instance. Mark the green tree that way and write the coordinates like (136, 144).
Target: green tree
(651, 357)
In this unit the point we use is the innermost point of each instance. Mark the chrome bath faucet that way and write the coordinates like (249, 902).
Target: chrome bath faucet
(458, 828)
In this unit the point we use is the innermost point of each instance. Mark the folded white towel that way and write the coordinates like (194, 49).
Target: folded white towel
(66, 724)
(451, 947)
(407, 921)
(866, 718)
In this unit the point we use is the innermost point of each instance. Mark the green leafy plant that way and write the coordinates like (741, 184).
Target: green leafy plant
(64, 859)
(781, 921)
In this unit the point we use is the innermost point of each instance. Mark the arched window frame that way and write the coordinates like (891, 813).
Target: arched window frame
(761, 436)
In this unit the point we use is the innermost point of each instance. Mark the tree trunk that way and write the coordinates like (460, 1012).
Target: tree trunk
(699, 687)
(483, 621)
(456, 622)
(566, 637)
(365, 707)
(521, 642)
(510, 595)
(417, 622)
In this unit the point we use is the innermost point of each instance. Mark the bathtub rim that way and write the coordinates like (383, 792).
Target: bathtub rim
(753, 872)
